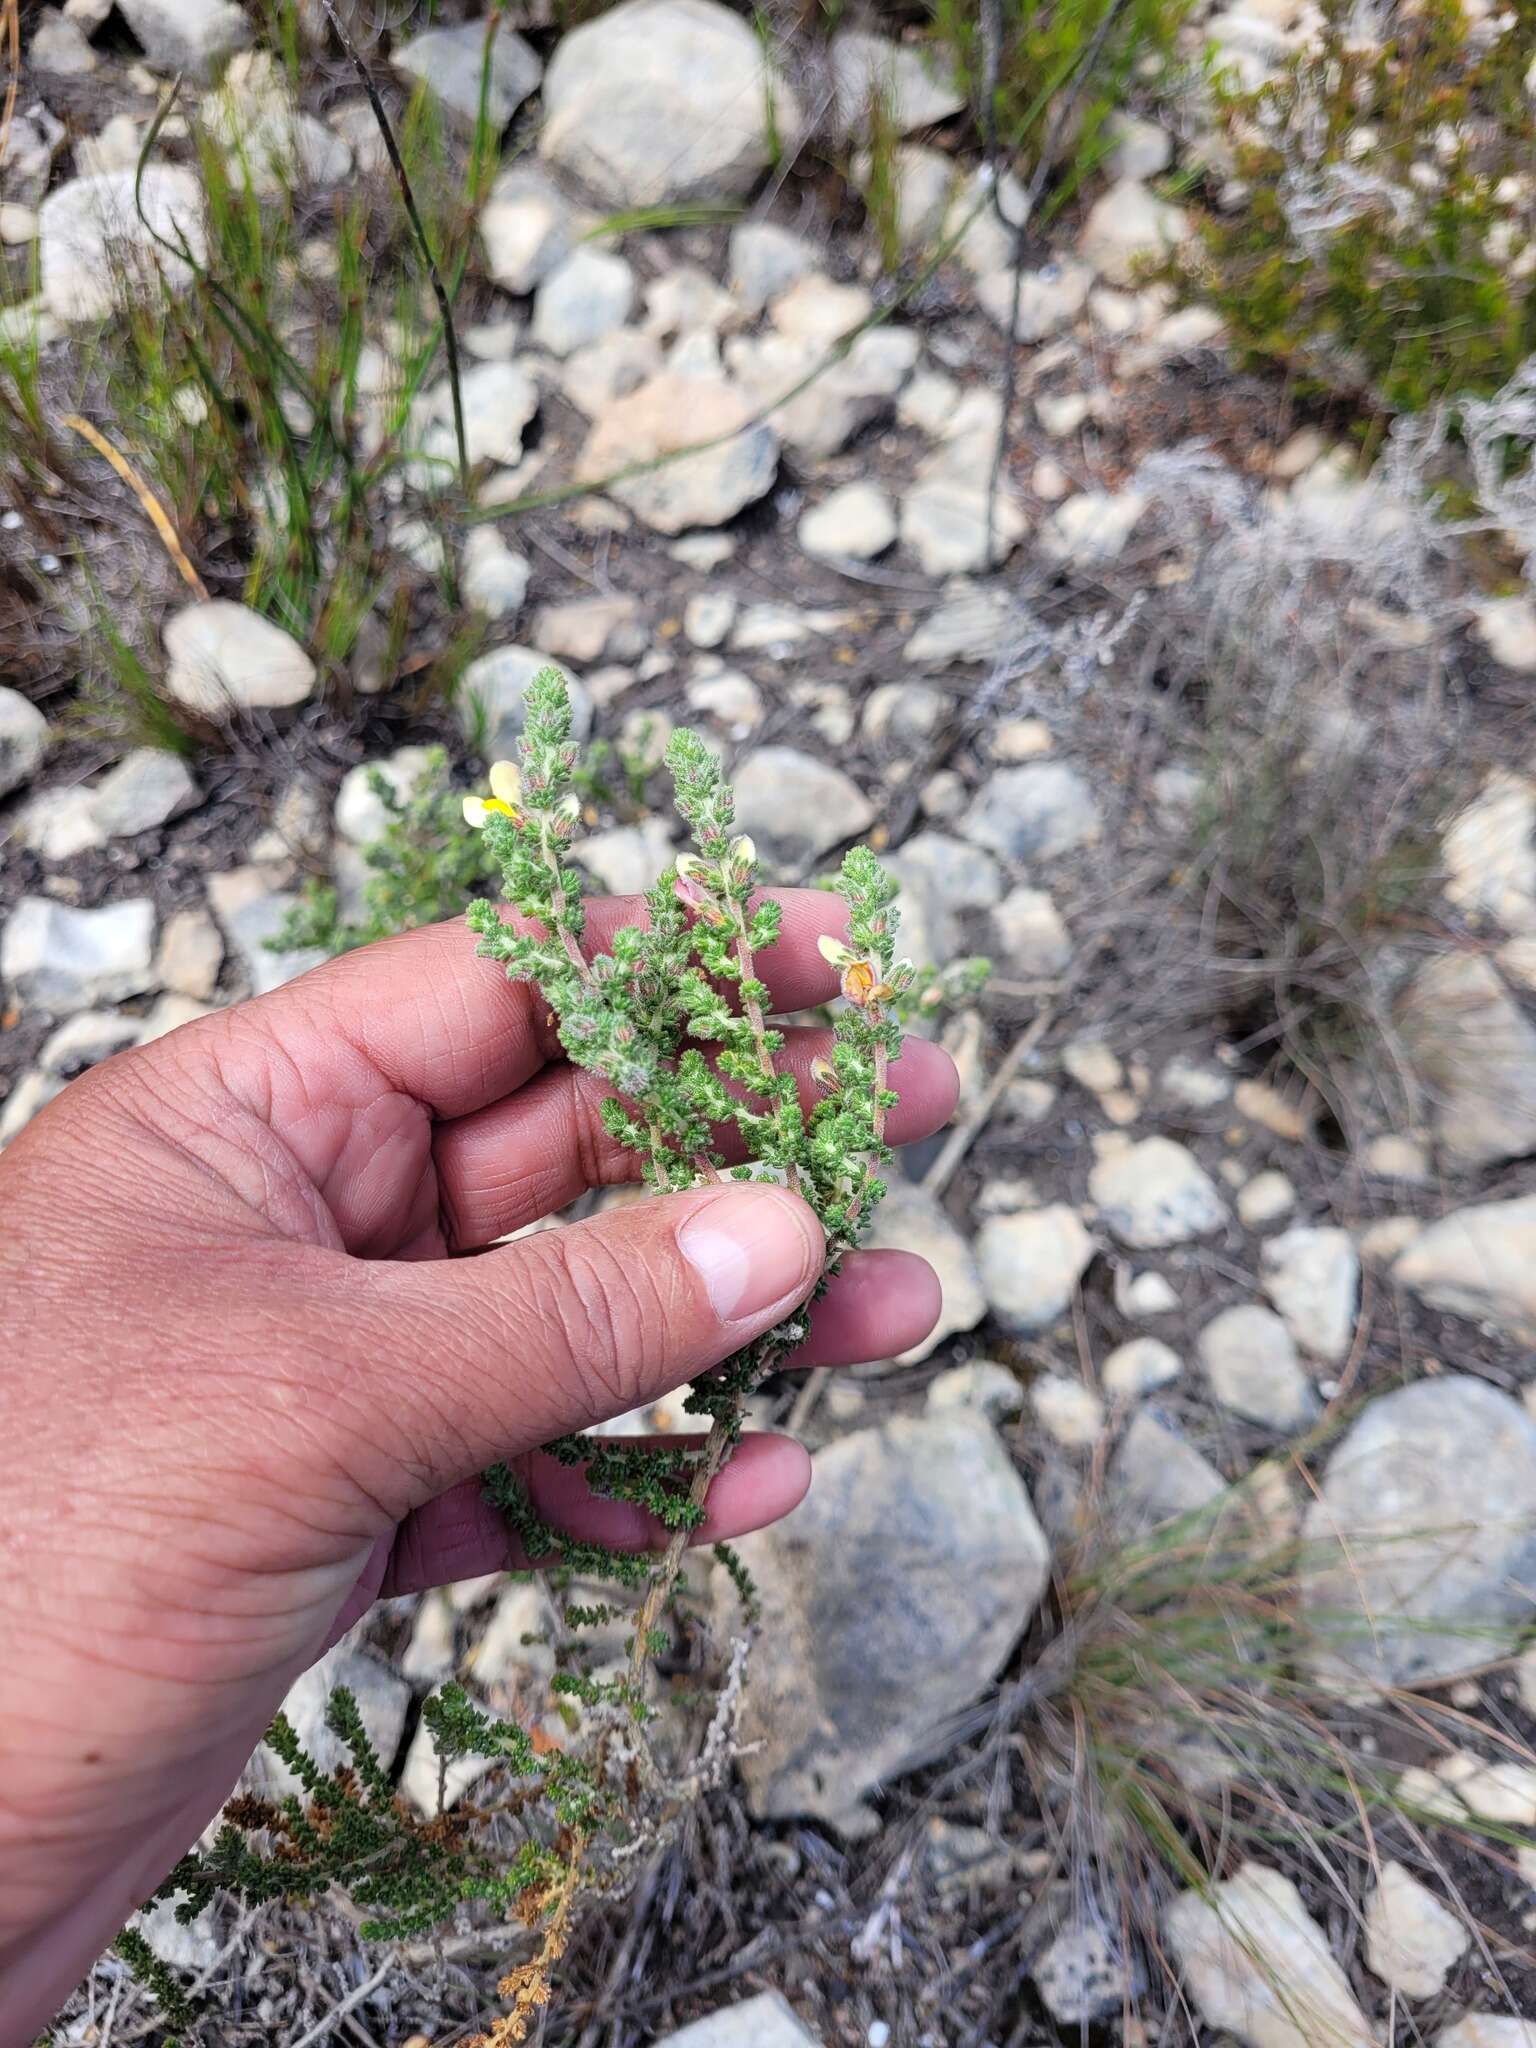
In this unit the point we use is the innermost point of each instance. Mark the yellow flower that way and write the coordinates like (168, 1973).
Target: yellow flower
(506, 796)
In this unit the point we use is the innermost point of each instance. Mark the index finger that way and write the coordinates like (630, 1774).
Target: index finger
(448, 1029)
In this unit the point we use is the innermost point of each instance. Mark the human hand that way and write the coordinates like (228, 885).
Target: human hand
(246, 1388)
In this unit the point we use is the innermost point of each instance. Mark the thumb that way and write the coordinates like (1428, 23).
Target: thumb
(473, 1360)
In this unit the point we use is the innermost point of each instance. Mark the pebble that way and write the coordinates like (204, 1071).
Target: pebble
(84, 1041)
(670, 412)
(1412, 1943)
(1128, 229)
(1250, 1362)
(1257, 1964)
(1068, 1412)
(57, 959)
(224, 657)
(1478, 1262)
(194, 36)
(1034, 940)
(1030, 1265)
(589, 295)
(148, 787)
(1312, 1276)
(909, 1219)
(23, 739)
(913, 85)
(527, 227)
(764, 261)
(856, 522)
(1037, 812)
(797, 807)
(991, 1389)
(1154, 1193)
(1091, 528)
(361, 816)
(493, 579)
(191, 954)
(1084, 1974)
(729, 697)
(491, 698)
(1139, 1368)
(92, 241)
(450, 62)
(1265, 1199)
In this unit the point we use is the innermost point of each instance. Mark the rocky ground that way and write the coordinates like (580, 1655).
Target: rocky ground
(962, 571)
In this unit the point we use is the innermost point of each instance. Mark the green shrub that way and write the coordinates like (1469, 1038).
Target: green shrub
(1383, 246)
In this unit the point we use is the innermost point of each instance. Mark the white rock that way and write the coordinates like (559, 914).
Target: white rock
(85, 1040)
(1392, 1156)
(383, 1700)
(491, 698)
(23, 739)
(1092, 1065)
(588, 629)
(18, 224)
(761, 2022)
(1048, 299)
(58, 824)
(1503, 1791)
(1421, 1545)
(612, 367)
(527, 227)
(814, 309)
(626, 859)
(991, 1389)
(910, 1220)
(671, 412)
(1037, 812)
(1313, 1278)
(819, 419)
(1140, 1296)
(661, 100)
(591, 293)
(940, 877)
(225, 657)
(1141, 148)
(148, 787)
(1156, 1476)
(1139, 1367)
(191, 954)
(1250, 1362)
(1411, 1941)
(450, 62)
(194, 36)
(1066, 1410)
(686, 300)
(918, 182)
(499, 400)
(954, 526)
(1085, 1974)
(928, 402)
(913, 85)
(92, 245)
(59, 47)
(250, 912)
(1031, 1263)
(765, 260)
(1258, 1965)
(361, 816)
(1474, 1049)
(1507, 628)
(270, 144)
(1091, 528)
(1265, 1199)
(853, 1676)
(30, 1095)
(492, 579)
(1155, 1193)
(729, 697)
(1479, 1262)
(1035, 941)
(1128, 229)
(709, 616)
(57, 959)
(796, 806)
(971, 624)
(856, 522)
(1196, 1085)
(1488, 2030)
(1489, 853)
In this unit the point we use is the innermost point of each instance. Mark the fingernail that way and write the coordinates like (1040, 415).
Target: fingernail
(753, 1247)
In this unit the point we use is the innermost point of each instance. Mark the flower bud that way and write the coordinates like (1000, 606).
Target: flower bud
(743, 854)
(689, 867)
(859, 982)
(824, 1074)
(568, 810)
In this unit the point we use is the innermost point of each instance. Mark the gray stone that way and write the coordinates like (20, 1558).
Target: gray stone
(669, 413)
(1256, 1963)
(590, 294)
(1412, 1943)
(58, 46)
(1479, 1262)
(1155, 1194)
(1091, 528)
(191, 954)
(147, 788)
(383, 1700)
(591, 629)
(1127, 229)
(1085, 1974)
(855, 522)
(1472, 1046)
(527, 227)
(250, 911)
(194, 36)
(627, 859)
(85, 1040)
(971, 624)
(224, 657)
(1037, 812)
(877, 1630)
(1157, 1476)
(661, 100)
(920, 183)
(816, 415)
(493, 579)
(1247, 1356)
(270, 143)
(911, 1220)
(23, 739)
(1031, 1263)
(361, 816)
(93, 247)
(499, 400)
(1139, 1367)
(1047, 300)
(953, 524)
(1141, 149)
(940, 877)
(765, 260)
(594, 376)
(762, 2022)
(1313, 1278)
(1420, 1551)
(913, 85)
(981, 1384)
(450, 62)
(59, 960)
(491, 699)
(1034, 940)
(57, 824)
(796, 807)
(903, 712)
(709, 616)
